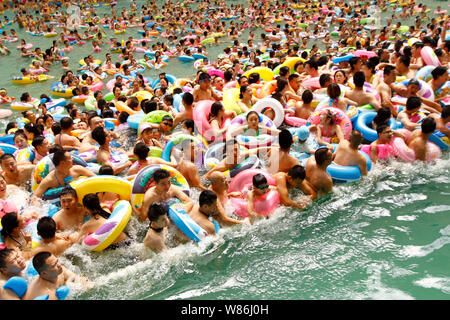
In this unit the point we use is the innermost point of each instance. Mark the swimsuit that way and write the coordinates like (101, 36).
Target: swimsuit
(66, 180)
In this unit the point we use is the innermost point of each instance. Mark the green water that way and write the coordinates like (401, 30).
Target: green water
(384, 237)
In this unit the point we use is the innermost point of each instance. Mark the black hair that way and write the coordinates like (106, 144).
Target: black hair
(4, 254)
(323, 79)
(381, 128)
(413, 102)
(66, 123)
(382, 117)
(207, 197)
(58, 156)
(297, 172)
(160, 174)
(285, 139)
(438, 71)
(259, 179)
(141, 150)
(188, 98)
(156, 210)
(99, 135)
(37, 141)
(359, 78)
(428, 125)
(9, 222)
(307, 96)
(39, 261)
(92, 202)
(106, 170)
(321, 155)
(68, 190)
(46, 227)
(445, 112)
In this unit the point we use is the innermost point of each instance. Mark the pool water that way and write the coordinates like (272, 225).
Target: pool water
(384, 237)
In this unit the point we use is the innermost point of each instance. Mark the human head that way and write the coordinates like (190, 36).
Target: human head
(141, 151)
(91, 202)
(41, 144)
(384, 132)
(440, 74)
(62, 158)
(158, 213)
(46, 227)
(100, 135)
(355, 139)
(296, 175)
(334, 90)
(323, 156)
(358, 79)
(9, 164)
(260, 185)
(68, 198)
(208, 202)
(47, 265)
(285, 139)
(413, 103)
(11, 262)
(162, 179)
(428, 125)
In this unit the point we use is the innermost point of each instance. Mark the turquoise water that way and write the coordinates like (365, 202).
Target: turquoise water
(384, 237)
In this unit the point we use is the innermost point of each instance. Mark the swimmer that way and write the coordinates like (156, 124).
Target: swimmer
(52, 275)
(279, 158)
(419, 138)
(204, 91)
(347, 154)
(71, 215)
(316, 173)
(260, 187)
(156, 236)
(294, 178)
(162, 191)
(64, 138)
(52, 242)
(14, 173)
(12, 264)
(64, 173)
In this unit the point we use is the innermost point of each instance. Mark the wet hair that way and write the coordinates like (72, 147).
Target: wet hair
(406, 60)
(445, 112)
(160, 174)
(37, 141)
(92, 202)
(39, 261)
(388, 69)
(189, 123)
(355, 138)
(307, 96)
(284, 71)
(56, 128)
(207, 197)
(123, 116)
(188, 98)
(6, 156)
(428, 125)
(106, 170)
(58, 156)
(254, 78)
(9, 222)
(46, 227)
(156, 210)
(259, 179)
(215, 108)
(10, 126)
(68, 190)
(33, 128)
(99, 135)
(4, 254)
(438, 71)
(333, 90)
(297, 172)
(413, 102)
(285, 139)
(383, 115)
(359, 78)
(66, 123)
(141, 150)
(381, 128)
(321, 155)
(323, 79)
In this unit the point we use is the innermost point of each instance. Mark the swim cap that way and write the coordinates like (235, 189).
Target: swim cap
(302, 133)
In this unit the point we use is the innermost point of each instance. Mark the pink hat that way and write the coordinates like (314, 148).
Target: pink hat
(143, 126)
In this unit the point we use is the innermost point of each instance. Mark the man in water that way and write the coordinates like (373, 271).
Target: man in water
(347, 153)
(280, 160)
(12, 264)
(294, 178)
(54, 243)
(71, 216)
(64, 173)
(419, 138)
(206, 210)
(52, 275)
(204, 91)
(359, 95)
(442, 120)
(162, 192)
(410, 115)
(88, 142)
(13, 173)
(156, 236)
(316, 171)
(384, 89)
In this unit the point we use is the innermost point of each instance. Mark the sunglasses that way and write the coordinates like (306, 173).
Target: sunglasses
(266, 186)
(167, 123)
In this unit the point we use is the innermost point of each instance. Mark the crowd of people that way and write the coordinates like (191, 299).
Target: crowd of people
(398, 74)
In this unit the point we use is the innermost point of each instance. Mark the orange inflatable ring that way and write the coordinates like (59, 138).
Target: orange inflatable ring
(122, 106)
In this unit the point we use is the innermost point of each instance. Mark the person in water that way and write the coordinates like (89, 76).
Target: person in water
(156, 236)
(64, 173)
